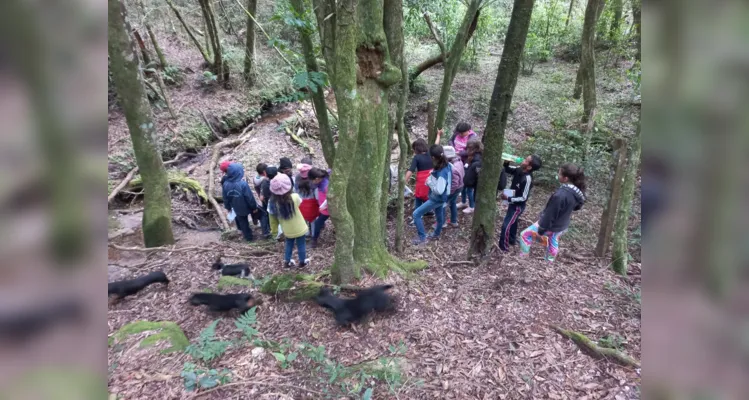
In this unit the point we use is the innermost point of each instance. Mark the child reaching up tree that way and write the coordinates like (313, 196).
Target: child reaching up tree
(286, 204)
(555, 218)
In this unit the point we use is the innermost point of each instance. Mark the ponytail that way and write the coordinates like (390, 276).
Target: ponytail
(576, 175)
(438, 157)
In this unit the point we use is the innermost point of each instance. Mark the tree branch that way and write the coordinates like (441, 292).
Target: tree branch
(436, 35)
(122, 184)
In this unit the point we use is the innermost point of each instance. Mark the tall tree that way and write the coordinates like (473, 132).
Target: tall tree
(128, 79)
(453, 61)
(211, 31)
(620, 255)
(249, 44)
(592, 11)
(362, 75)
(616, 21)
(587, 72)
(306, 30)
(482, 231)
(615, 194)
(569, 15)
(636, 21)
(189, 31)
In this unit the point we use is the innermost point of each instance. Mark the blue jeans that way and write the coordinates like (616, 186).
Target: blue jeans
(264, 222)
(318, 225)
(453, 206)
(463, 194)
(439, 211)
(471, 198)
(509, 232)
(243, 224)
(418, 202)
(301, 248)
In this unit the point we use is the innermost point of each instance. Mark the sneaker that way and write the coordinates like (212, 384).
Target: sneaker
(313, 243)
(431, 237)
(306, 263)
(454, 224)
(462, 205)
(418, 241)
(290, 264)
(434, 226)
(468, 210)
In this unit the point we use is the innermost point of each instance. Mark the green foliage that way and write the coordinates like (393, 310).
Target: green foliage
(209, 78)
(285, 360)
(166, 330)
(634, 75)
(535, 51)
(612, 341)
(227, 281)
(246, 323)
(208, 348)
(172, 75)
(194, 377)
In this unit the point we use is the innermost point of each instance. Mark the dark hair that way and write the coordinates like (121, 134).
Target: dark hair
(420, 146)
(272, 172)
(438, 157)
(575, 174)
(304, 186)
(535, 162)
(261, 168)
(315, 173)
(474, 146)
(306, 160)
(462, 127)
(284, 205)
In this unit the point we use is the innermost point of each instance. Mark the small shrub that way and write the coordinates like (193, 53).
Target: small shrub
(198, 378)
(613, 341)
(208, 348)
(246, 323)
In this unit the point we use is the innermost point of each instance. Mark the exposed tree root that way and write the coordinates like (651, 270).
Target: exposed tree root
(292, 286)
(122, 184)
(380, 263)
(595, 351)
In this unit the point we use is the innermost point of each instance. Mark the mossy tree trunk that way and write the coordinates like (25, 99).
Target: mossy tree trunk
(399, 94)
(616, 21)
(142, 46)
(128, 79)
(615, 195)
(318, 96)
(325, 14)
(620, 255)
(451, 66)
(249, 45)
(362, 78)
(211, 31)
(588, 45)
(482, 231)
(159, 52)
(587, 72)
(637, 21)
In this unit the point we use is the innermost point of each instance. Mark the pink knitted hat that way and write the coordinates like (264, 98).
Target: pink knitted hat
(280, 185)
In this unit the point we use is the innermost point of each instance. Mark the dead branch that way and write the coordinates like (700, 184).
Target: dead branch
(299, 141)
(122, 184)
(170, 249)
(178, 157)
(595, 351)
(208, 123)
(436, 35)
(212, 167)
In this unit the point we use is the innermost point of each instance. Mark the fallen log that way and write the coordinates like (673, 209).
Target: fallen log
(595, 351)
(292, 286)
(175, 179)
(295, 137)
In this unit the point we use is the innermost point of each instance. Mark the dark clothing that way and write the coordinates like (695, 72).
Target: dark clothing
(243, 224)
(236, 192)
(318, 225)
(265, 192)
(522, 183)
(508, 235)
(421, 162)
(471, 179)
(502, 180)
(556, 215)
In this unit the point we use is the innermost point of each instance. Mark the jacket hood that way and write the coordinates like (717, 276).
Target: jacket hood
(579, 195)
(235, 172)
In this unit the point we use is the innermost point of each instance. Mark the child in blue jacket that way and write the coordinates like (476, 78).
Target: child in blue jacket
(238, 197)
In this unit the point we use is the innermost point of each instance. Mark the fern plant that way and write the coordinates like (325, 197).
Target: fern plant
(246, 323)
(208, 348)
(194, 377)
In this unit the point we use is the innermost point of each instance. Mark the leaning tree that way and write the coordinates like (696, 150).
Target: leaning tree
(482, 231)
(361, 71)
(127, 75)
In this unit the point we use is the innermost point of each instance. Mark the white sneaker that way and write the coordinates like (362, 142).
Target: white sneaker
(462, 205)
(468, 210)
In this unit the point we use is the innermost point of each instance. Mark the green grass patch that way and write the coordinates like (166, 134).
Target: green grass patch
(166, 330)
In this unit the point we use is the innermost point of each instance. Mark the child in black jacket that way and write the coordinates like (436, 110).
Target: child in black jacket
(474, 150)
(555, 218)
(522, 182)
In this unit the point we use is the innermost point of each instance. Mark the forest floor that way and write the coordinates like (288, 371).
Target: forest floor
(460, 331)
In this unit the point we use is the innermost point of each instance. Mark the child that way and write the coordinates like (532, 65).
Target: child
(306, 163)
(439, 182)
(461, 136)
(421, 165)
(310, 208)
(265, 195)
(473, 152)
(238, 197)
(521, 183)
(286, 167)
(223, 167)
(320, 179)
(555, 218)
(286, 204)
(260, 177)
(458, 172)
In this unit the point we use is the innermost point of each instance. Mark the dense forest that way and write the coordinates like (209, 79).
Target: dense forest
(396, 119)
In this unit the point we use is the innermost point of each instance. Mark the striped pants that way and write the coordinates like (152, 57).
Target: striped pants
(549, 239)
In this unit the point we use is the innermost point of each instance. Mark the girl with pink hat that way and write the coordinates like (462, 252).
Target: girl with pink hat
(286, 204)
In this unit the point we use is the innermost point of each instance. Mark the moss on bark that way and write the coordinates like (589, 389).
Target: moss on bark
(292, 286)
(620, 254)
(166, 330)
(249, 45)
(128, 79)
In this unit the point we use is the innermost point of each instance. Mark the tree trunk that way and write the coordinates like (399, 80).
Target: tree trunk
(615, 194)
(142, 46)
(426, 64)
(430, 122)
(588, 39)
(318, 96)
(636, 21)
(588, 71)
(482, 231)
(156, 47)
(326, 26)
(128, 80)
(229, 26)
(249, 45)
(620, 254)
(617, 20)
(195, 40)
(569, 15)
(219, 67)
(451, 67)
(393, 23)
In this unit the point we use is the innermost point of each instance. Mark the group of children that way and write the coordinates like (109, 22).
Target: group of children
(444, 173)
(293, 206)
